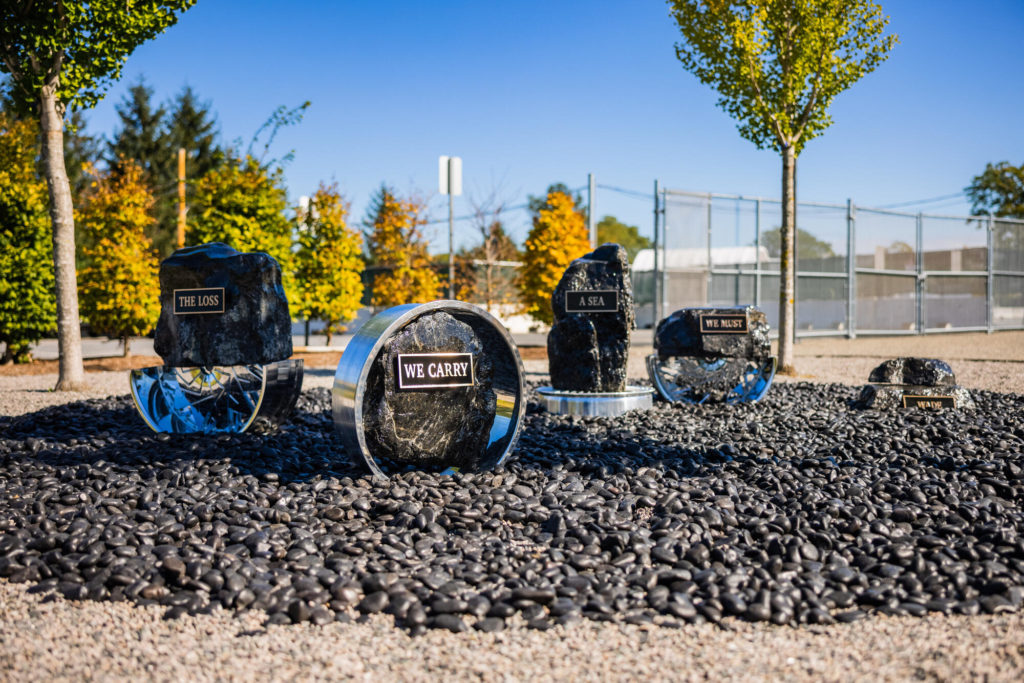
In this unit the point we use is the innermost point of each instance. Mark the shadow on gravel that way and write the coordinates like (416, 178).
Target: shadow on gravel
(111, 431)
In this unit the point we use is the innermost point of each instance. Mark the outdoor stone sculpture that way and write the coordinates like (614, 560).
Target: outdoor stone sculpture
(435, 386)
(224, 334)
(588, 346)
(431, 428)
(712, 354)
(245, 320)
(914, 382)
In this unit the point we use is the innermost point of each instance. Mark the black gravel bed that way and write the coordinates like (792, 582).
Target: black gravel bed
(801, 509)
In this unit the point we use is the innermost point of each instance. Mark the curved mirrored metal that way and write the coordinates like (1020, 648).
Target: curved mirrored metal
(221, 399)
(350, 380)
(603, 404)
(722, 380)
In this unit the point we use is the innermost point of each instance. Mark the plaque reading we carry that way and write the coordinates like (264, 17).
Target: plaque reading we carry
(191, 301)
(929, 402)
(723, 323)
(592, 301)
(435, 370)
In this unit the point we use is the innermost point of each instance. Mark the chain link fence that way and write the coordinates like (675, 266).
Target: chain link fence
(859, 270)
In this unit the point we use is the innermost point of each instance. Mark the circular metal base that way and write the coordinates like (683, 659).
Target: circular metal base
(604, 404)
(350, 381)
(700, 380)
(217, 400)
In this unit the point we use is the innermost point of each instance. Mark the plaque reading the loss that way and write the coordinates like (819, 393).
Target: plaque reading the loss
(188, 301)
(723, 323)
(435, 370)
(929, 402)
(592, 301)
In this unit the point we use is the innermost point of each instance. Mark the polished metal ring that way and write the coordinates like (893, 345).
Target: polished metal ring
(350, 380)
(222, 399)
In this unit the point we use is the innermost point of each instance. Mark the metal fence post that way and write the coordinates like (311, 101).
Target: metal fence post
(707, 298)
(851, 271)
(920, 288)
(990, 280)
(664, 251)
(656, 299)
(757, 253)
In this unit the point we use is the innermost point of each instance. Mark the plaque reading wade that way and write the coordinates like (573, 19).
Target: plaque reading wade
(191, 301)
(723, 323)
(435, 370)
(592, 301)
(930, 402)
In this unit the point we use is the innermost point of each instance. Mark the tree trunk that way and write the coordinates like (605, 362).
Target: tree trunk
(787, 263)
(69, 336)
(126, 345)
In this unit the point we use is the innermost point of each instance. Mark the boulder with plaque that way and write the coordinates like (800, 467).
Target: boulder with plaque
(224, 334)
(926, 383)
(436, 386)
(588, 346)
(716, 355)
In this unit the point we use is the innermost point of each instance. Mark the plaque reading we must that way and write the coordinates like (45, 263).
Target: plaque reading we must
(723, 323)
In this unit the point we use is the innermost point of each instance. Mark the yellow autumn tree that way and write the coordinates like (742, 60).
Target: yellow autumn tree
(119, 286)
(28, 309)
(398, 248)
(329, 262)
(558, 236)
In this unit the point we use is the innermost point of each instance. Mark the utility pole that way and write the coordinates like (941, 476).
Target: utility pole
(449, 181)
(591, 219)
(181, 197)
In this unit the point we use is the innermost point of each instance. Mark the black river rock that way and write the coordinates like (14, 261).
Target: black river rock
(680, 335)
(795, 510)
(254, 329)
(437, 427)
(589, 351)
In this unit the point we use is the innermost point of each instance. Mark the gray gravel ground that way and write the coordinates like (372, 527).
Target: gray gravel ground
(61, 640)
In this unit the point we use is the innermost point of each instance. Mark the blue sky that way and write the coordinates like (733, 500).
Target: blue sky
(530, 92)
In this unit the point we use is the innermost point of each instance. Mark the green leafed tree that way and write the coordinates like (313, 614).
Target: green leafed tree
(998, 191)
(808, 246)
(329, 262)
(119, 285)
(28, 310)
(611, 229)
(63, 55)
(778, 65)
(242, 204)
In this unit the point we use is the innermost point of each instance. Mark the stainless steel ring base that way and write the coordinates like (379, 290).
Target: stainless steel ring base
(350, 381)
(603, 404)
(217, 400)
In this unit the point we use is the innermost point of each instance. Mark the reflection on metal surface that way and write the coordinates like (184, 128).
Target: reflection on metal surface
(229, 399)
(722, 380)
(350, 380)
(604, 404)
